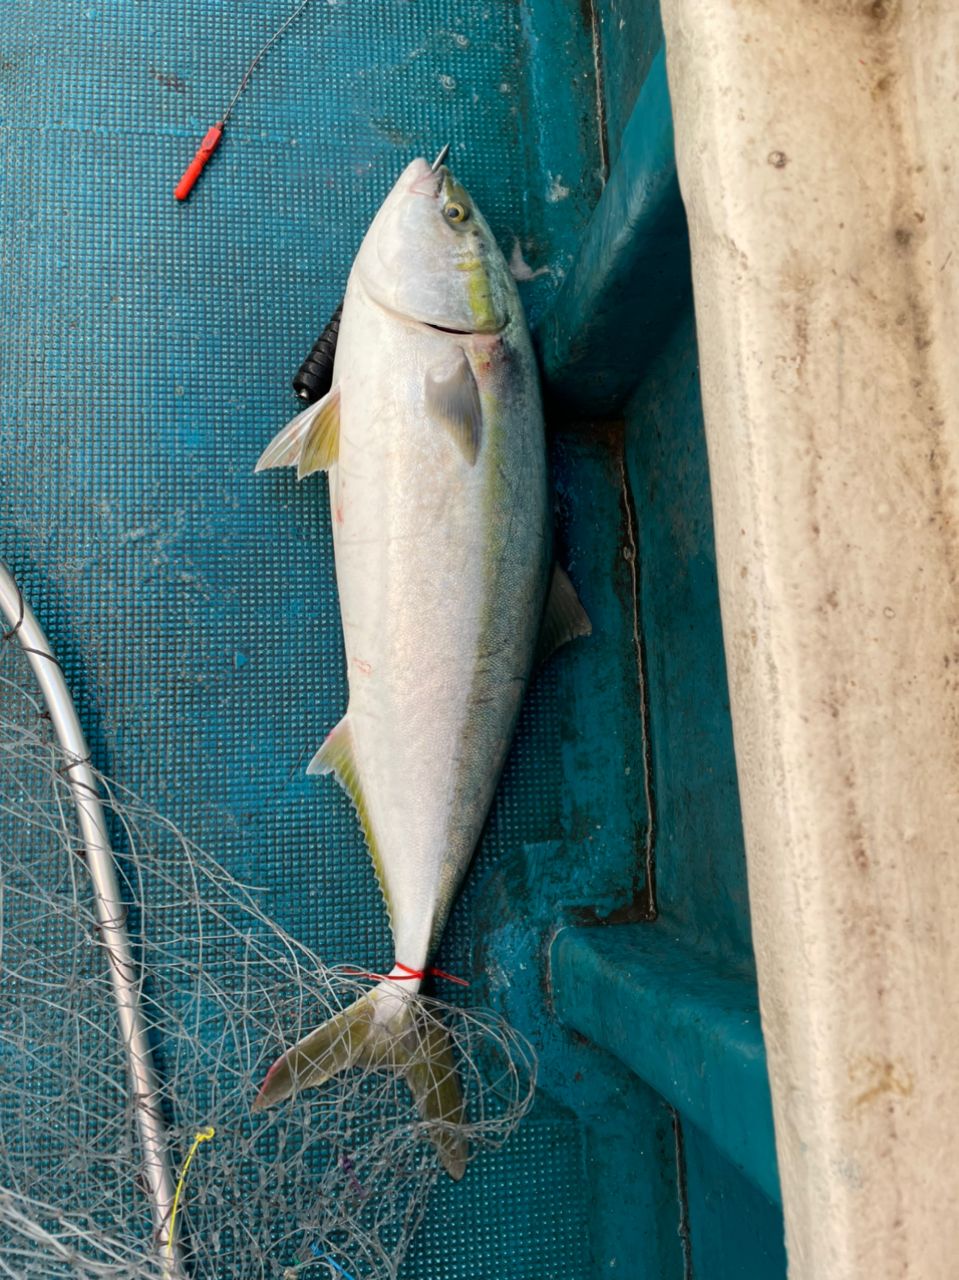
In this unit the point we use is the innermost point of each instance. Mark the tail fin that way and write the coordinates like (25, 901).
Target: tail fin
(386, 1029)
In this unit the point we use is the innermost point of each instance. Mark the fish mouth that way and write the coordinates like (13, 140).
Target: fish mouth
(417, 322)
(457, 333)
(442, 328)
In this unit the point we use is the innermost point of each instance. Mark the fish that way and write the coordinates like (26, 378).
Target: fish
(433, 440)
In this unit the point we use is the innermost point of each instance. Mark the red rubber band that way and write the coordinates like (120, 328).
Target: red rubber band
(408, 975)
(450, 977)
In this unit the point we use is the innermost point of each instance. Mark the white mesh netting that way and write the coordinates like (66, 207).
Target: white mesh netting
(331, 1183)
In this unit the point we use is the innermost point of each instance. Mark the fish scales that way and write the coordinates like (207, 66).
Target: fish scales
(442, 569)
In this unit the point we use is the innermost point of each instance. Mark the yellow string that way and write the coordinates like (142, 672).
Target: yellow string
(204, 1135)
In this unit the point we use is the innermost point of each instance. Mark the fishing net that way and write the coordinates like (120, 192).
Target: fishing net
(330, 1183)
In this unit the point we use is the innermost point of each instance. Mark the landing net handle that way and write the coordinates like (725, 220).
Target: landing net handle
(110, 912)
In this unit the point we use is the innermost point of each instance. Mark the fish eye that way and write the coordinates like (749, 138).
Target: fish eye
(455, 211)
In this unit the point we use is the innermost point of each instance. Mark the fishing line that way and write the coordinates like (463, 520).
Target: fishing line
(214, 134)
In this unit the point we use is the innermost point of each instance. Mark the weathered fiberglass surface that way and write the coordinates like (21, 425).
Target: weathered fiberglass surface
(146, 350)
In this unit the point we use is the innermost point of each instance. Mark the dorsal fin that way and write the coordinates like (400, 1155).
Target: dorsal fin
(564, 618)
(311, 442)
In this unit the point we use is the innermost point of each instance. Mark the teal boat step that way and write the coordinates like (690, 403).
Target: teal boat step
(682, 1024)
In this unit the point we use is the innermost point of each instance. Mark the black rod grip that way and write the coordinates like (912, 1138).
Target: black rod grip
(315, 375)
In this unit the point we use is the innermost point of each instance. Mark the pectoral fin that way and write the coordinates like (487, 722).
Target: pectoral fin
(311, 442)
(452, 397)
(564, 618)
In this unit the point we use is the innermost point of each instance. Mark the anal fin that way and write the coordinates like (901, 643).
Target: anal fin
(336, 756)
(564, 617)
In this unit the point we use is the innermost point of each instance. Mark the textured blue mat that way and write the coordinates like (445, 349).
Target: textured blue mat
(145, 356)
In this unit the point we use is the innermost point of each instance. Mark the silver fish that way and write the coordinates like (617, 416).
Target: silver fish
(432, 435)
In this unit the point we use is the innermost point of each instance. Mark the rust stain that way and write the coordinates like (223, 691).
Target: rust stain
(881, 1076)
(882, 13)
(168, 80)
(802, 339)
(884, 84)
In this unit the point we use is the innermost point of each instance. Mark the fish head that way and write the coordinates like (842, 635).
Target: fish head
(430, 256)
